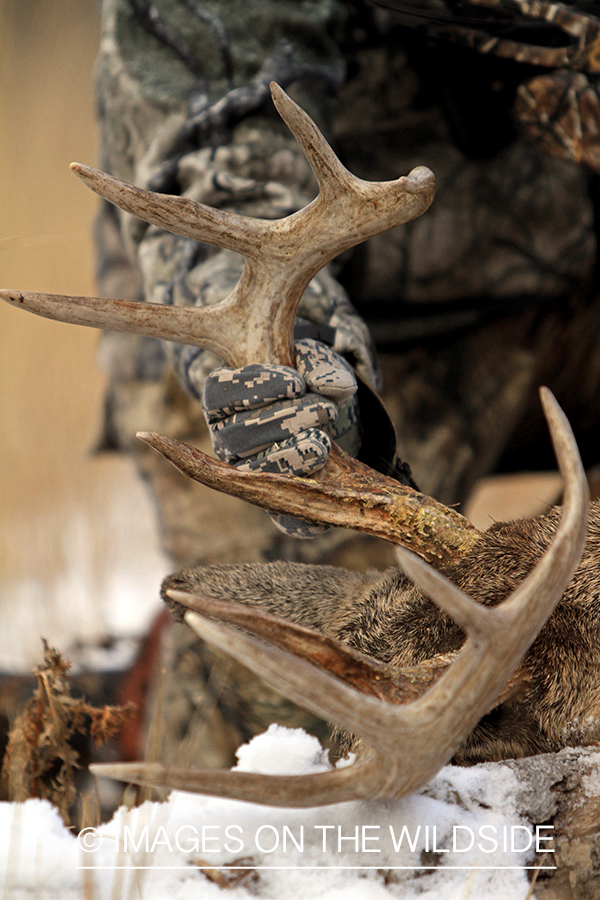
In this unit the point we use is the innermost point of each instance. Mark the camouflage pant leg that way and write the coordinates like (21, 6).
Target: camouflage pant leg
(206, 705)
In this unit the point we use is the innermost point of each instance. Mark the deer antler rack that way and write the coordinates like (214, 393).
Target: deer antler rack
(255, 324)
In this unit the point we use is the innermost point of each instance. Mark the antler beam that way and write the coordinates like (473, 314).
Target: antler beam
(344, 493)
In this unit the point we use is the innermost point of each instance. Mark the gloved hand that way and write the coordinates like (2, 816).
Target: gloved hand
(277, 419)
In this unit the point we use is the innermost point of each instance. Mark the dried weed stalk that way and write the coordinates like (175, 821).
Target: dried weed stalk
(41, 758)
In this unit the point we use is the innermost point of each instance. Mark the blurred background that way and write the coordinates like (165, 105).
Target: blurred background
(79, 555)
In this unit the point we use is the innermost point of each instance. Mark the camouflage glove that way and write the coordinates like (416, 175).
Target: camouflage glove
(272, 418)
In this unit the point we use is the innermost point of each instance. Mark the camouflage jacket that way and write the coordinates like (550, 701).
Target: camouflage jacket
(184, 108)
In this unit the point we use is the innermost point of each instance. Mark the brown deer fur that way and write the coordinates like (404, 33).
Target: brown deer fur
(554, 699)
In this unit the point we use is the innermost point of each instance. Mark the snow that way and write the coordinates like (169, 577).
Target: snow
(591, 781)
(351, 851)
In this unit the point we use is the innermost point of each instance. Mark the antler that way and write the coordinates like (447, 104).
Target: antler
(344, 492)
(255, 324)
(403, 746)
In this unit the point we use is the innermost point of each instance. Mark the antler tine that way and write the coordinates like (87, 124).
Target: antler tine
(292, 791)
(573, 526)
(181, 215)
(327, 168)
(404, 745)
(368, 675)
(168, 323)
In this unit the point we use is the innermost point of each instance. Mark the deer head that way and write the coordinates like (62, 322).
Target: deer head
(408, 721)
(388, 667)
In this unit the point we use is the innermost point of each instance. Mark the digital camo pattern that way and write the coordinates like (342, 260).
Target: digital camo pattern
(229, 391)
(304, 453)
(297, 528)
(246, 433)
(275, 419)
(250, 408)
(324, 371)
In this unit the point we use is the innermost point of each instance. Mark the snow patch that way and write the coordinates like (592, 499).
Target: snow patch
(429, 846)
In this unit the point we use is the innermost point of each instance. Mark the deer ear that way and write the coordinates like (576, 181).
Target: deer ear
(314, 596)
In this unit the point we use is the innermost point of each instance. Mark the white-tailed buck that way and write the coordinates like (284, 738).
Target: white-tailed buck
(504, 662)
